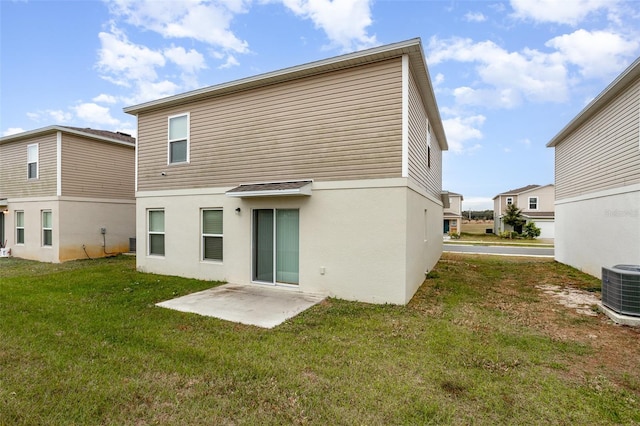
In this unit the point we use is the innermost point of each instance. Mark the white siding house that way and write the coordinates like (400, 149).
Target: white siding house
(597, 168)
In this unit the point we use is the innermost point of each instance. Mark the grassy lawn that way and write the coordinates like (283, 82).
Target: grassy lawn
(83, 343)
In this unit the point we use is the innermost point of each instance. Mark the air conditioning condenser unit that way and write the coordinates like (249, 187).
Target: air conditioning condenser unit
(621, 289)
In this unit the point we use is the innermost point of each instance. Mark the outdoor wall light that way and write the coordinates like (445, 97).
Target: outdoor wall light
(238, 210)
(5, 211)
(163, 173)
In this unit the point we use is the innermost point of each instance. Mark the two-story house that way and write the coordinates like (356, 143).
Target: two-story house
(66, 193)
(597, 168)
(324, 177)
(453, 214)
(536, 203)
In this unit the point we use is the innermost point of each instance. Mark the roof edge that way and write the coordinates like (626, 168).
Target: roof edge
(361, 54)
(58, 128)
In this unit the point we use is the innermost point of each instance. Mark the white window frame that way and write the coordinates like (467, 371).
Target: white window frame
(37, 162)
(150, 232)
(509, 201)
(170, 141)
(537, 203)
(203, 235)
(20, 212)
(45, 229)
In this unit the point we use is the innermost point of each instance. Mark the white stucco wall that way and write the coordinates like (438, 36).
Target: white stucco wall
(354, 241)
(601, 229)
(75, 222)
(80, 222)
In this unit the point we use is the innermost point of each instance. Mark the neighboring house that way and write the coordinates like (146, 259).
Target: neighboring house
(60, 187)
(597, 157)
(324, 177)
(536, 203)
(453, 214)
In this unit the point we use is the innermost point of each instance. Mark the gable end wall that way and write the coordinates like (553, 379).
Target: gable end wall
(335, 126)
(96, 169)
(604, 152)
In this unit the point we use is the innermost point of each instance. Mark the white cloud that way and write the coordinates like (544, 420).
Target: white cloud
(94, 113)
(105, 99)
(124, 61)
(569, 12)
(231, 62)
(474, 17)
(48, 115)
(344, 22)
(201, 20)
(460, 130)
(507, 77)
(13, 131)
(147, 91)
(190, 62)
(598, 54)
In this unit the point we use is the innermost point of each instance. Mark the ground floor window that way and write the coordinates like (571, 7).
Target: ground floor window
(276, 245)
(20, 227)
(47, 228)
(212, 234)
(156, 232)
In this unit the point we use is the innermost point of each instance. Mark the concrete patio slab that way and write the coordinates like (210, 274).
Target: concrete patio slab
(262, 306)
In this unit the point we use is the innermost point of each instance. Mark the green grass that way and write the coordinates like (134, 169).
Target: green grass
(83, 343)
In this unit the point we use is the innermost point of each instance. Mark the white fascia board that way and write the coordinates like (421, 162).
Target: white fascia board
(55, 128)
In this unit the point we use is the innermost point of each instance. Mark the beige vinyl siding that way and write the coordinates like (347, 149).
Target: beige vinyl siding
(345, 124)
(96, 169)
(604, 152)
(429, 178)
(13, 168)
(546, 199)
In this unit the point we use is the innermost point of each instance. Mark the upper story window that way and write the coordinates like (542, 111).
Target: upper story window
(509, 201)
(533, 203)
(32, 161)
(178, 139)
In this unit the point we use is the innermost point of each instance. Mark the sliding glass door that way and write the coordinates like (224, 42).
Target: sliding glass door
(276, 246)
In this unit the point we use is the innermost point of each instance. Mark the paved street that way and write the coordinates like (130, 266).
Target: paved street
(500, 250)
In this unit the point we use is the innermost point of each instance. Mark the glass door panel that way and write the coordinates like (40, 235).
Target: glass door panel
(287, 240)
(276, 246)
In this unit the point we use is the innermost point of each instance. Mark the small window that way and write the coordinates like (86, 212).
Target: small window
(212, 235)
(533, 203)
(179, 139)
(32, 161)
(156, 232)
(47, 229)
(19, 227)
(509, 201)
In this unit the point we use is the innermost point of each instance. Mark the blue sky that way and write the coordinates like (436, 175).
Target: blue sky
(508, 75)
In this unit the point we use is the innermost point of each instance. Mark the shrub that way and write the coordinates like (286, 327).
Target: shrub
(454, 235)
(531, 231)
